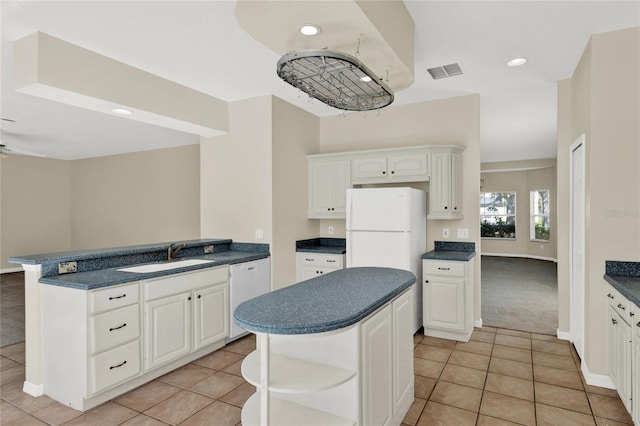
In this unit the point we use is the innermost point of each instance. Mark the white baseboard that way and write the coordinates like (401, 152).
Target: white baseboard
(477, 323)
(10, 270)
(33, 390)
(564, 335)
(526, 256)
(601, 380)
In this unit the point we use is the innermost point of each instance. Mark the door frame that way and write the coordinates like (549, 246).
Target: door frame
(577, 325)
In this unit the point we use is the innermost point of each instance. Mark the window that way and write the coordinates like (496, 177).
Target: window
(540, 229)
(498, 215)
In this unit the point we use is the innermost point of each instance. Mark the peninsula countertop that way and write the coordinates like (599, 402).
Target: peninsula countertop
(624, 277)
(101, 267)
(324, 303)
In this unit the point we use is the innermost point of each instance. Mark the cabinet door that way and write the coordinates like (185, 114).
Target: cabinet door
(328, 183)
(443, 302)
(456, 184)
(620, 350)
(410, 165)
(211, 317)
(439, 186)
(167, 329)
(403, 320)
(376, 368)
(635, 370)
(368, 169)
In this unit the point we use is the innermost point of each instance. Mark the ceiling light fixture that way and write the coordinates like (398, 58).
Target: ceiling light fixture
(121, 111)
(335, 78)
(310, 29)
(517, 62)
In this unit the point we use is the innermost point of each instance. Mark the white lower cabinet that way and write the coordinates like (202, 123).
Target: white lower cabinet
(448, 299)
(361, 375)
(310, 265)
(621, 351)
(98, 344)
(635, 367)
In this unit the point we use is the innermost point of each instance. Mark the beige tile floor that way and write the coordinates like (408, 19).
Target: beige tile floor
(500, 377)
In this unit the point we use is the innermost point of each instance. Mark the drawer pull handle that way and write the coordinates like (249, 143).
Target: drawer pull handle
(117, 297)
(631, 314)
(614, 321)
(443, 269)
(119, 365)
(331, 261)
(118, 328)
(610, 296)
(621, 306)
(309, 260)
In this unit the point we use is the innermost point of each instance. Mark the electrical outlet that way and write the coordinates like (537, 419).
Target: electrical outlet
(208, 249)
(67, 267)
(330, 230)
(445, 233)
(463, 233)
(259, 234)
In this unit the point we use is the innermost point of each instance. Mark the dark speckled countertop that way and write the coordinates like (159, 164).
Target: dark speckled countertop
(322, 245)
(328, 302)
(100, 267)
(624, 277)
(452, 250)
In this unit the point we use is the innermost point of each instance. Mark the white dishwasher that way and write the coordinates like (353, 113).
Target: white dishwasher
(246, 281)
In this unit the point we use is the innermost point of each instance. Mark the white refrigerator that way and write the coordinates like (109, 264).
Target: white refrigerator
(388, 227)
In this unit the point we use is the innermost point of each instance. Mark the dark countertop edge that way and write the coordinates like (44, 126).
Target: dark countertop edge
(322, 245)
(616, 282)
(459, 256)
(325, 327)
(128, 277)
(109, 252)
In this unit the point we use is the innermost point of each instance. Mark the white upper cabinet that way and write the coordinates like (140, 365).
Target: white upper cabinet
(445, 188)
(328, 183)
(393, 167)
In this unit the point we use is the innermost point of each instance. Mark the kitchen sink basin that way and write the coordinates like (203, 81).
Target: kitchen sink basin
(155, 267)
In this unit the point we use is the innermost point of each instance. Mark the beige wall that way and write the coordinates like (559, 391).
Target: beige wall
(522, 177)
(447, 121)
(256, 178)
(137, 198)
(57, 205)
(236, 184)
(35, 206)
(295, 135)
(605, 106)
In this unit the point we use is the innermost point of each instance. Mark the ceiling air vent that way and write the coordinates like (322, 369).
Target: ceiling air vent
(445, 71)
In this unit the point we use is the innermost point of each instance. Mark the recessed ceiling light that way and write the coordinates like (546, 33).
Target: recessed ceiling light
(121, 111)
(365, 78)
(517, 62)
(310, 29)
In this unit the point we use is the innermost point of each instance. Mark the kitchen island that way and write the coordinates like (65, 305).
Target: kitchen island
(335, 349)
(101, 322)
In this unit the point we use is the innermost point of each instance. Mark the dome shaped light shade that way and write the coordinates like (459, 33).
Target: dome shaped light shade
(335, 78)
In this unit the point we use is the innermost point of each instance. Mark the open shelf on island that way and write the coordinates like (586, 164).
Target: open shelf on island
(286, 413)
(294, 375)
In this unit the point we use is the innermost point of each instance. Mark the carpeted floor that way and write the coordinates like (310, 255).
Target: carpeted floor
(11, 308)
(520, 294)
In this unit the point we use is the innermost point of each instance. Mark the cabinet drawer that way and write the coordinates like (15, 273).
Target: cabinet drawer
(113, 297)
(320, 259)
(619, 303)
(113, 328)
(445, 268)
(114, 366)
(179, 283)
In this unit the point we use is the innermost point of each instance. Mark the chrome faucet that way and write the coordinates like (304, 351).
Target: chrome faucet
(171, 252)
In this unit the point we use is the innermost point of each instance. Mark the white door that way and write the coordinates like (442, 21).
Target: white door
(576, 272)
